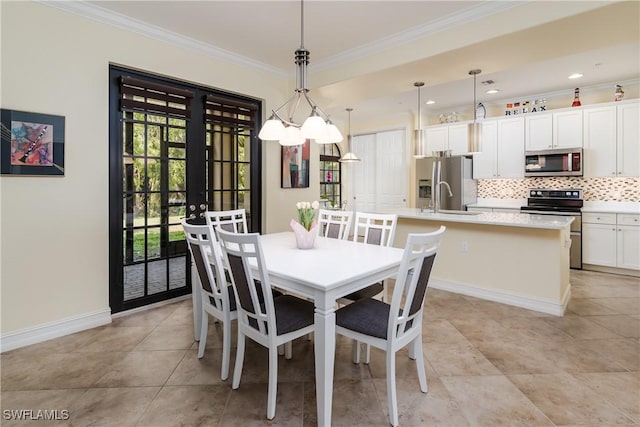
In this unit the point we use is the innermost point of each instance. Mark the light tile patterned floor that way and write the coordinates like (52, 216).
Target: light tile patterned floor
(487, 364)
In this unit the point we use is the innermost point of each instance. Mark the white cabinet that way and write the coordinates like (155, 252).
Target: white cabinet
(628, 138)
(437, 138)
(539, 131)
(567, 129)
(611, 135)
(510, 162)
(600, 141)
(502, 153)
(562, 129)
(452, 137)
(611, 240)
(459, 138)
(628, 239)
(485, 163)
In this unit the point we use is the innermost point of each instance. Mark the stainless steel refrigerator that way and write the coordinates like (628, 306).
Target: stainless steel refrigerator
(455, 171)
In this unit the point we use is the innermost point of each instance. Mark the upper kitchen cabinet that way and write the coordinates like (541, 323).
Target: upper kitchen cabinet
(502, 153)
(611, 135)
(628, 127)
(560, 129)
(452, 137)
(485, 163)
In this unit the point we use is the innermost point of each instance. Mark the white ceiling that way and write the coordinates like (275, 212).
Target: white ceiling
(367, 54)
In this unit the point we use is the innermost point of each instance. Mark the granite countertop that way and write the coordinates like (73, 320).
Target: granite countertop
(489, 218)
(589, 206)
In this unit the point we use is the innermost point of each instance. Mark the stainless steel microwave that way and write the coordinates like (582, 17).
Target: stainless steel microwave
(560, 162)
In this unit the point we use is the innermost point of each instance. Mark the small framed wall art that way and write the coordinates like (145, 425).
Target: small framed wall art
(295, 165)
(31, 143)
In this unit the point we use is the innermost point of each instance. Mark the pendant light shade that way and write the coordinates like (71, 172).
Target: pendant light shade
(333, 135)
(317, 126)
(272, 130)
(474, 129)
(419, 150)
(349, 157)
(292, 136)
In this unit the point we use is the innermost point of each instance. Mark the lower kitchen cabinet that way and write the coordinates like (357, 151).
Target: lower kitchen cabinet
(611, 240)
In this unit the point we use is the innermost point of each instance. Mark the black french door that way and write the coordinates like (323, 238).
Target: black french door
(175, 150)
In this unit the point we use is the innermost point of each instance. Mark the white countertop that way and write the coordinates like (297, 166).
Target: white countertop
(612, 207)
(499, 203)
(507, 219)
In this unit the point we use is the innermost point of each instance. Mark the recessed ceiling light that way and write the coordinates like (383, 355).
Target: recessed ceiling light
(430, 102)
(493, 91)
(575, 76)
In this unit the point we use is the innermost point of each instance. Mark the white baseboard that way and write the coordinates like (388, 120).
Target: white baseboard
(556, 309)
(612, 270)
(59, 328)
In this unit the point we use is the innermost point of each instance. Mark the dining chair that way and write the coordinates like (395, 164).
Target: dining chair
(334, 224)
(271, 322)
(374, 229)
(234, 220)
(218, 298)
(393, 326)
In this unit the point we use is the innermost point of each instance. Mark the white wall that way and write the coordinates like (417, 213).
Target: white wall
(54, 230)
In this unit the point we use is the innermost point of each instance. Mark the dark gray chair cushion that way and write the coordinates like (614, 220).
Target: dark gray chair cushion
(292, 313)
(367, 316)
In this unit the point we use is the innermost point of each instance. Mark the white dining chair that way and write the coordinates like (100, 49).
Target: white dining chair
(373, 229)
(234, 220)
(271, 322)
(218, 298)
(334, 224)
(393, 326)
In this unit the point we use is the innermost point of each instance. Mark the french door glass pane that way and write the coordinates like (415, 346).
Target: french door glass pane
(154, 202)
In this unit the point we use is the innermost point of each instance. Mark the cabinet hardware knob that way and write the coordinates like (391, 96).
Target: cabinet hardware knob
(192, 208)
(203, 206)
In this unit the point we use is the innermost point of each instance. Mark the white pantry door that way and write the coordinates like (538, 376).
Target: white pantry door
(380, 179)
(364, 173)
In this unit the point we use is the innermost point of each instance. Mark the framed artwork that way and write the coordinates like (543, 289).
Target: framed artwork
(295, 165)
(31, 143)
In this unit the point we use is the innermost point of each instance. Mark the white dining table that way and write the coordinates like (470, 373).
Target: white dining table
(330, 270)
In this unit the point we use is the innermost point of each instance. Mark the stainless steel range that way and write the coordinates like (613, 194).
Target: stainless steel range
(566, 202)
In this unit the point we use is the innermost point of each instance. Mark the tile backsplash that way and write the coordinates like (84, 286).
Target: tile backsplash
(595, 189)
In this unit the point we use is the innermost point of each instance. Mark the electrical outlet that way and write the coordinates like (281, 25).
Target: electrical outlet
(465, 246)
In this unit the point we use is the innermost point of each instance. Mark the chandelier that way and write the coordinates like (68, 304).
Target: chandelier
(317, 126)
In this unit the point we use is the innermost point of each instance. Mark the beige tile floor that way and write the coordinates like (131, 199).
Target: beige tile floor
(487, 364)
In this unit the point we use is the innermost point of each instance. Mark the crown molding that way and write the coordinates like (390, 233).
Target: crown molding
(467, 16)
(118, 20)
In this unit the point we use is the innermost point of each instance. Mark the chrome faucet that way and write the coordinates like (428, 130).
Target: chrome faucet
(436, 206)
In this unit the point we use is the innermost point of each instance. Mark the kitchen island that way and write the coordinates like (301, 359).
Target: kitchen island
(512, 258)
